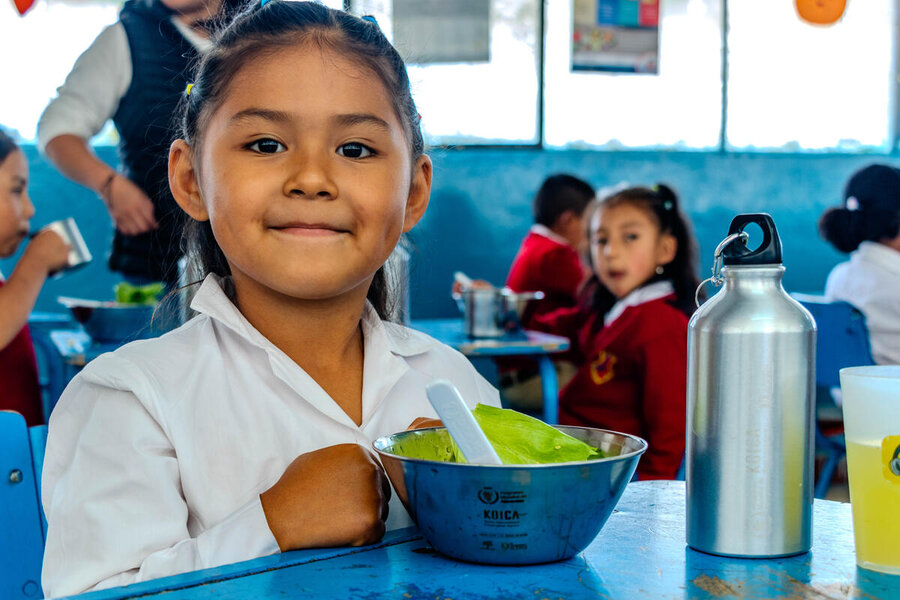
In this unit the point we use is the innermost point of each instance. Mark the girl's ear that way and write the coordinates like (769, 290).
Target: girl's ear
(183, 181)
(419, 192)
(666, 249)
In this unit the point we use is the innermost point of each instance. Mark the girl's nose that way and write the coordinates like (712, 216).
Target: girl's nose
(311, 178)
(27, 206)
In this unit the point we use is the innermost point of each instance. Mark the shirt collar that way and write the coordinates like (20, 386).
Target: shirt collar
(880, 254)
(545, 231)
(200, 43)
(642, 295)
(211, 300)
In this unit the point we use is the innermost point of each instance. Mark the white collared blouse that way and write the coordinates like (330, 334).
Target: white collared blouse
(870, 281)
(157, 452)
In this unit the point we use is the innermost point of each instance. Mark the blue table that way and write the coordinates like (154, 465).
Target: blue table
(533, 344)
(640, 553)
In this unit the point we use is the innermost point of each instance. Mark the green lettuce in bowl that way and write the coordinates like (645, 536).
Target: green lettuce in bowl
(517, 438)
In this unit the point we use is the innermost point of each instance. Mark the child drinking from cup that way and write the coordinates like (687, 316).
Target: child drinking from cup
(246, 431)
(630, 332)
(45, 253)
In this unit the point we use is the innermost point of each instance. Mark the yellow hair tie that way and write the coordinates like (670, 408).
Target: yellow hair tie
(187, 91)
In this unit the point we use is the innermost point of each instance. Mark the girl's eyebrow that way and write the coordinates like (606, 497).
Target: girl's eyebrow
(279, 116)
(361, 119)
(19, 180)
(248, 114)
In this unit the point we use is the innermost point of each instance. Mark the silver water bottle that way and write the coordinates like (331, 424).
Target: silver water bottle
(750, 397)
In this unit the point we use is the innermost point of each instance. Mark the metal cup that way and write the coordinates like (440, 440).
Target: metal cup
(79, 255)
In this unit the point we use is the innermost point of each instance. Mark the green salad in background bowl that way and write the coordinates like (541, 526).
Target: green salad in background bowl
(128, 317)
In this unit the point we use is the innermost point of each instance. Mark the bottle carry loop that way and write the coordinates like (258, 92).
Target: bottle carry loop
(717, 278)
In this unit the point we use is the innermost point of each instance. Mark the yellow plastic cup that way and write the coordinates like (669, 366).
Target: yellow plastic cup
(871, 404)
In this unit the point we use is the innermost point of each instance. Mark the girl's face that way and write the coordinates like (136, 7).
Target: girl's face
(15, 205)
(305, 175)
(627, 246)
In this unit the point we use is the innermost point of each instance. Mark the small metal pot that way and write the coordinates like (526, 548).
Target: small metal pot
(493, 312)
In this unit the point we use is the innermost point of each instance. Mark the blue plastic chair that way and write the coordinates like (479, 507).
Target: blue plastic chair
(842, 341)
(22, 524)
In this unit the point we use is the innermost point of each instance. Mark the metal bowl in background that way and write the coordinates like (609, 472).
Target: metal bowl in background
(110, 322)
(508, 514)
(493, 312)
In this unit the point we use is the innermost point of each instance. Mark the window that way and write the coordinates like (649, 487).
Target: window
(38, 52)
(679, 108)
(790, 86)
(795, 86)
(494, 102)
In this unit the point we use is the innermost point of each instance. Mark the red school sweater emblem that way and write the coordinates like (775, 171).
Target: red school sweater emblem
(602, 367)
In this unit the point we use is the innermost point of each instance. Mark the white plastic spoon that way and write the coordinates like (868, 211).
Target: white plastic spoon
(463, 427)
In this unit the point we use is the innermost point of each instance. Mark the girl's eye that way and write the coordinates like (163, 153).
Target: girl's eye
(600, 241)
(354, 150)
(631, 237)
(18, 191)
(266, 146)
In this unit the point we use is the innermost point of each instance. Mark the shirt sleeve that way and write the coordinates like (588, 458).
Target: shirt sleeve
(663, 405)
(114, 504)
(92, 90)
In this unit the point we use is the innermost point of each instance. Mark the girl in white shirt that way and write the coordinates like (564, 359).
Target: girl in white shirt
(247, 430)
(868, 226)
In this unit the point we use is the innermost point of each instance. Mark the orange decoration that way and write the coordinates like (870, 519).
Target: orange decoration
(23, 5)
(821, 12)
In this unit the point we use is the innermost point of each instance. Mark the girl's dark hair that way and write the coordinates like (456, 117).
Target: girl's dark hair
(261, 30)
(662, 204)
(7, 146)
(870, 212)
(558, 194)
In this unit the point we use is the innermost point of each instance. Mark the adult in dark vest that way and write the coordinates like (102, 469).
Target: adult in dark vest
(134, 73)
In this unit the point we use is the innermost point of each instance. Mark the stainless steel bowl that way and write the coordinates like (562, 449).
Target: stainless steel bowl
(493, 312)
(508, 514)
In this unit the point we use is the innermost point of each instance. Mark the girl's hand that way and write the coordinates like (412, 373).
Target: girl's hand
(425, 423)
(130, 208)
(49, 250)
(335, 496)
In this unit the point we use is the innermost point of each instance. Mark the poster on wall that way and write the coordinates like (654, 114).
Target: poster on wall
(438, 31)
(615, 35)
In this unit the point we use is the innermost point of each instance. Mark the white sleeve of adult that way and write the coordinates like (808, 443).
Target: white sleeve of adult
(113, 499)
(92, 90)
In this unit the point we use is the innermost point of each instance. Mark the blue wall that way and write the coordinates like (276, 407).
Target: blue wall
(481, 208)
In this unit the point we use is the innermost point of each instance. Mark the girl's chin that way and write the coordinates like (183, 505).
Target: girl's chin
(7, 250)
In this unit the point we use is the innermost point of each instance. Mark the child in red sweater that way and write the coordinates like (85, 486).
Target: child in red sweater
(630, 333)
(549, 260)
(19, 390)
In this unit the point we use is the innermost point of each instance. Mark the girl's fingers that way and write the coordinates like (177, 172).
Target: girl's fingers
(386, 491)
(425, 422)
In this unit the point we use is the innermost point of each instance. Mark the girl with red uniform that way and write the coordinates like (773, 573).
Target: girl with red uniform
(629, 333)
(47, 252)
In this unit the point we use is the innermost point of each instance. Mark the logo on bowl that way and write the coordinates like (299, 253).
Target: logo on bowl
(488, 495)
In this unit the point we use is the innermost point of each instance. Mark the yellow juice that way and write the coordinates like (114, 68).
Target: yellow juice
(875, 501)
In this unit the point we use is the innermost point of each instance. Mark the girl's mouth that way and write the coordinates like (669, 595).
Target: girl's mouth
(310, 229)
